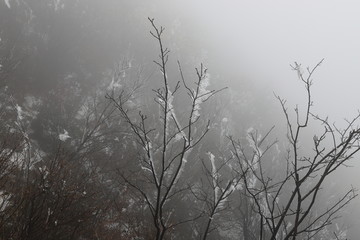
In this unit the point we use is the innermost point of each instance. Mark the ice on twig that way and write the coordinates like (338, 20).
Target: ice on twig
(7, 2)
(64, 136)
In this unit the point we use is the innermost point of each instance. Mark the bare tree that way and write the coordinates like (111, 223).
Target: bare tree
(165, 149)
(11, 159)
(58, 194)
(287, 204)
(217, 183)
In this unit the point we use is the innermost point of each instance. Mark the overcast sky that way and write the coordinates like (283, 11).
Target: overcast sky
(258, 40)
(262, 38)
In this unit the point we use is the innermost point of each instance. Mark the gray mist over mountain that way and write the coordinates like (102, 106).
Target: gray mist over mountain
(247, 46)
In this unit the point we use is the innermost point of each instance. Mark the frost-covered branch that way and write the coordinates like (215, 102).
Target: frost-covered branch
(284, 202)
(166, 144)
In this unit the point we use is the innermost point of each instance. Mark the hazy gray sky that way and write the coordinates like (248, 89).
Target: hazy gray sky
(259, 39)
(264, 37)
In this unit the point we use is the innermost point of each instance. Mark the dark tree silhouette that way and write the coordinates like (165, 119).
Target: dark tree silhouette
(284, 203)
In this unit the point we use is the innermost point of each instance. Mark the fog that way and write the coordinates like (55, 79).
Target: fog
(247, 46)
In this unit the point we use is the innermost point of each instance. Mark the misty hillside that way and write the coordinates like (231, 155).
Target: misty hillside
(179, 120)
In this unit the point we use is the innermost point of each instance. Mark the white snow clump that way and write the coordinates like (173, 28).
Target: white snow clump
(64, 136)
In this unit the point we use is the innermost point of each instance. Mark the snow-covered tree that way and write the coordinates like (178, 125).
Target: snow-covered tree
(166, 143)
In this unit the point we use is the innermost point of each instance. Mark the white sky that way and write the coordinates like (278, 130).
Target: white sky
(259, 39)
(264, 37)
